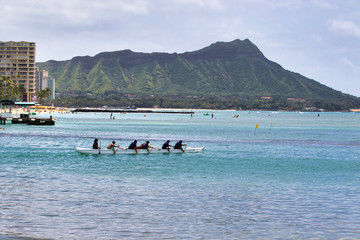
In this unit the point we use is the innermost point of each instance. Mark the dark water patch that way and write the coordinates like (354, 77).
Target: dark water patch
(75, 137)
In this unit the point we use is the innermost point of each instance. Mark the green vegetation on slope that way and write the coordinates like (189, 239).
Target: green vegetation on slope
(234, 70)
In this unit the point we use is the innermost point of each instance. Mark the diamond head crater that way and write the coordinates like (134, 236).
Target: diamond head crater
(224, 75)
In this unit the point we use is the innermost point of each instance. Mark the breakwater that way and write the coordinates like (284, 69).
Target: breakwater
(129, 111)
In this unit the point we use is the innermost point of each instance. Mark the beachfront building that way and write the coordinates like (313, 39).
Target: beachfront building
(17, 61)
(44, 81)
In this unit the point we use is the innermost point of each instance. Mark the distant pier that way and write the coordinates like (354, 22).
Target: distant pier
(98, 110)
(25, 119)
(3, 121)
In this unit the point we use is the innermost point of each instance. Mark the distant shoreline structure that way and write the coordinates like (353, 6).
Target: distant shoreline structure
(102, 110)
(187, 110)
(50, 110)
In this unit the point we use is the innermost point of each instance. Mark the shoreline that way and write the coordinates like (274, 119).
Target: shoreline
(32, 111)
(62, 110)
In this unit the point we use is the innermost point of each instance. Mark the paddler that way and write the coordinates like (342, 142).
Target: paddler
(95, 144)
(167, 145)
(147, 146)
(179, 145)
(113, 146)
(133, 146)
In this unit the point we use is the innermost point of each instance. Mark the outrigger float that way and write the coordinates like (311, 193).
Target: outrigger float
(131, 151)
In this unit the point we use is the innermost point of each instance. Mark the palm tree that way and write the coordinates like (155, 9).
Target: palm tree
(22, 90)
(2, 89)
(48, 92)
(44, 93)
(9, 88)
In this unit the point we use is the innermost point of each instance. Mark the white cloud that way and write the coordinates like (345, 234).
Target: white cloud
(346, 27)
(69, 12)
(317, 38)
(212, 4)
(279, 4)
(345, 61)
(190, 2)
(294, 4)
(325, 4)
(216, 4)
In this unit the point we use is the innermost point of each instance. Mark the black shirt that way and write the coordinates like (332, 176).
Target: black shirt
(132, 145)
(165, 145)
(178, 145)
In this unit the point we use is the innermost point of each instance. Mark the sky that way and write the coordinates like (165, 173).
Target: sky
(319, 39)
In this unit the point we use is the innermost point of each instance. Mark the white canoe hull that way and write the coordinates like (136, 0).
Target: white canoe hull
(130, 151)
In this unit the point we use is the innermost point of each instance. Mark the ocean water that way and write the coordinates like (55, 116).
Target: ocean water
(296, 176)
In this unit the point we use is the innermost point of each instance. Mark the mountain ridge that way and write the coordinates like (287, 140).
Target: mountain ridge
(236, 69)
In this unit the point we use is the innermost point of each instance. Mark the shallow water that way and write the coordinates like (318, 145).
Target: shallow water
(296, 176)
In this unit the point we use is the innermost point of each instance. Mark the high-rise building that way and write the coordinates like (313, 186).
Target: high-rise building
(44, 81)
(17, 60)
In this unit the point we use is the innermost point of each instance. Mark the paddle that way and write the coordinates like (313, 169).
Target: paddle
(100, 148)
(183, 149)
(116, 149)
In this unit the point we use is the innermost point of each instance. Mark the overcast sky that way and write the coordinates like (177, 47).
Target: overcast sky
(317, 38)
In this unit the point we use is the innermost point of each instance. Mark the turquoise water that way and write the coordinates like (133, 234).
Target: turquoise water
(295, 177)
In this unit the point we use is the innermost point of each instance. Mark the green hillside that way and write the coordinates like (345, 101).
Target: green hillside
(234, 69)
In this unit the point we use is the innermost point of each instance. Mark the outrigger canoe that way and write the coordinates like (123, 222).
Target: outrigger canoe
(130, 151)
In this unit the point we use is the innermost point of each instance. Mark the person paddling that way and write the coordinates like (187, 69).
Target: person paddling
(96, 144)
(133, 146)
(147, 146)
(113, 146)
(179, 145)
(167, 145)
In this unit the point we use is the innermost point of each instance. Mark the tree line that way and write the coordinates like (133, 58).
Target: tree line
(10, 89)
(205, 103)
